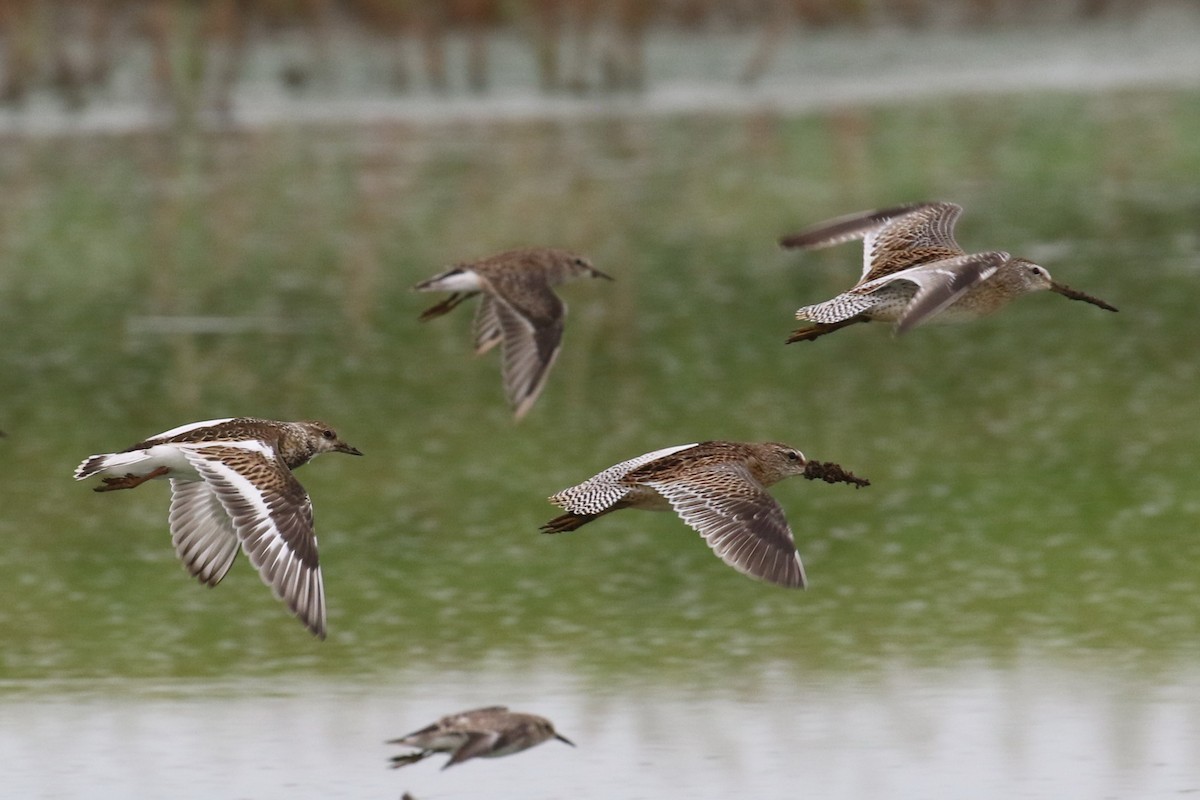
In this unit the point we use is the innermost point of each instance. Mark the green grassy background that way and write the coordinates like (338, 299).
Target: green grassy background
(1033, 474)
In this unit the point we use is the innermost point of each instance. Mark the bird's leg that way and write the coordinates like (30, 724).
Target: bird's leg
(410, 758)
(131, 481)
(818, 329)
(445, 306)
(567, 522)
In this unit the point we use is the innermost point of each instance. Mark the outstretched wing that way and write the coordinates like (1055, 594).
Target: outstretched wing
(847, 228)
(273, 518)
(924, 234)
(939, 284)
(739, 519)
(893, 238)
(201, 531)
(486, 326)
(530, 318)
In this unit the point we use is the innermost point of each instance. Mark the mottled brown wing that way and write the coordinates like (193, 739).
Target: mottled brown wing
(923, 234)
(893, 238)
(846, 228)
(530, 317)
(449, 724)
(675, 461)
(466, 717)
(739, 519)
(207, 430)
(273, 517)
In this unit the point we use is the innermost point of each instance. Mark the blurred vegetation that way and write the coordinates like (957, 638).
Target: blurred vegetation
(1031, 473)
(185, 57)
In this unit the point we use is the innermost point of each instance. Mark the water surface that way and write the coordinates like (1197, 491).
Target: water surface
(1027, 729)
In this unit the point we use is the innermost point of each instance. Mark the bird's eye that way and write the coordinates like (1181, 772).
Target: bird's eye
(1037, 271)
(793, 455)
(579, 262)
(328, 434)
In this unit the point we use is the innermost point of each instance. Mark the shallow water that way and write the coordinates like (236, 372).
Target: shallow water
(1027, 729)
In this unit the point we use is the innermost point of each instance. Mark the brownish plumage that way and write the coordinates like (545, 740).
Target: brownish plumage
(232, 485)
(717, 488)
(488, 732)
(519, 310)
(914, 271)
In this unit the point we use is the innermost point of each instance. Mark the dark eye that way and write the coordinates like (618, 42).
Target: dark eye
(793, 455)
(579, 262)
(328, 434)
(1037, 271)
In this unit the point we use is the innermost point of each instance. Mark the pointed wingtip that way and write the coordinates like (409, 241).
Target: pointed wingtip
(785, 577)
(525, 405)
(802, 584)
(314, 626)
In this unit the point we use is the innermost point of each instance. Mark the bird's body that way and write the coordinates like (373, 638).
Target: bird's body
(489, 732)
(518, 309)
(915, 272)
(232, 486)
(719, 489)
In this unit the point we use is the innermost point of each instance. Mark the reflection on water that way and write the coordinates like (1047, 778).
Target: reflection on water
(1036, 729)
(688, 74)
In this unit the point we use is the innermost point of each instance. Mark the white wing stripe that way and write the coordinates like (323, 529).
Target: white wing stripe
(246, 490)
(253, 445)
(191, 426)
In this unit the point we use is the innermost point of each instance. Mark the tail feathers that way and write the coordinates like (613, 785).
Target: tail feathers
(434, 284)
(94, 465)
(457, 279)
(839, 309)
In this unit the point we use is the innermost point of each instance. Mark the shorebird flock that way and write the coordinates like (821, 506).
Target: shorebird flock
(233, 485)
